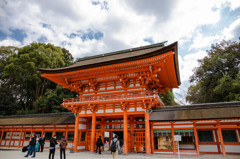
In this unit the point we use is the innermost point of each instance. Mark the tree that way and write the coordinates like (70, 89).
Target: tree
(218, 76)
(26, 83)
(51, 101)
(168, 98)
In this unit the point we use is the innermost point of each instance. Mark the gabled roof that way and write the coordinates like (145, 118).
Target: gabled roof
(38, 119)
(197, 111)
(119, 57)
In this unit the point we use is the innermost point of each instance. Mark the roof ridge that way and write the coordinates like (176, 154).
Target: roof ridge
(122, 51)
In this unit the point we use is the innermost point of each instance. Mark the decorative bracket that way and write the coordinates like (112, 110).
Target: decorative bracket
(94, 84)
(93, 107)
(124, 106)
(124, 80)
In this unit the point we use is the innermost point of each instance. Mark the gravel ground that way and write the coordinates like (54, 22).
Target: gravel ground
(17, 154)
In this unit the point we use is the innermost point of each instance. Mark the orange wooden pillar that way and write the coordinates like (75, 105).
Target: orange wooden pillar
(76, 132)
(217, 140)
(125, 132)
(2, 136)
(152, 138)
(221, 139)
(10, 138)
(132, 134)
(20, 137)
(174, 146)
(147, 133)
(93, 131)
(196, 138)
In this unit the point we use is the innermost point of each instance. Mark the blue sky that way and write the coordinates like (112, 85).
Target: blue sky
(93, 27)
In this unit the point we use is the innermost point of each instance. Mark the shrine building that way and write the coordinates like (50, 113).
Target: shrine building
(118, 93)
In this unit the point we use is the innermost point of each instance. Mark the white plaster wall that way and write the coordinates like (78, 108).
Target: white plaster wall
(16, 143)
(161, 126)
(82, 126)
(208, 148)
(81, 147)
(183, 126)
(140, 109)
(25, 143)
(109, 110)
(100, 111)
(83, 119)
(232, 148)
(131, 110)
(118, 110)
(187, 146)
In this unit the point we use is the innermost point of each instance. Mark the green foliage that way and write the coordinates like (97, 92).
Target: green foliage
(51, 101)
(8, 103)
(218, 76)
(168, 98)
(20, 75)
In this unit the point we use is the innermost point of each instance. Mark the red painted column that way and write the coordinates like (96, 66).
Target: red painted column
(10, 138)
(2, 136)
(196, 138)
(147, 133)
(152, 138)
(20, 137)
(174, 146)
(221, 139)
(93, 131)
(125, 132)
(76, 132)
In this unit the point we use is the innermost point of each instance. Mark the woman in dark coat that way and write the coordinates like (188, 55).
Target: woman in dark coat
(99, 144)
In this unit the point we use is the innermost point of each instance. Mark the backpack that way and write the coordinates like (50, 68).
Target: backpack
(63, 144)
(114, 146)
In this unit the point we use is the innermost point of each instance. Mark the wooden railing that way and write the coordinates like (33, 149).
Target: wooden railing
(113, 97)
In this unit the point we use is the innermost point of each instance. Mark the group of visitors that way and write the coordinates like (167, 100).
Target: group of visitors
(115, 146)
(38, 144)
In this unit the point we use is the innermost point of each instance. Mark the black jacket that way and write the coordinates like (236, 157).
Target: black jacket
(32, 141)
(99, 142)
(53, 142)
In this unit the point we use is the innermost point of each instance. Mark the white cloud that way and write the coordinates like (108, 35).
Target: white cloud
(125, 24)
(201, 41)
(188, 63)
(10, 42)
(233, 31)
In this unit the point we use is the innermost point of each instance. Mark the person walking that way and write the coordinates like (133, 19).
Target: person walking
(63, 146)
(41, 142)
(32, 146)
(53, 142)
(99, 143)
(115, 147)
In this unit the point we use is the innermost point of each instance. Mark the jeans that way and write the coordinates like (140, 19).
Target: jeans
(32, 148)
(41, 147)
(98, 147)
(51, 152)
(62, 150)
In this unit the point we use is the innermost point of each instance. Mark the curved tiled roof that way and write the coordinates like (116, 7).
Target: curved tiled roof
(38, 119)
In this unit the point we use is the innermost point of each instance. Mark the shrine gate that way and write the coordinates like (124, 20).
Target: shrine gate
(116, 92)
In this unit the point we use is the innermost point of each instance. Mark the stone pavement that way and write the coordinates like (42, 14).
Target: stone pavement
(17, 154)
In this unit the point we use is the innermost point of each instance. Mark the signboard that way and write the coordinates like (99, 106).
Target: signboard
(177, 138)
